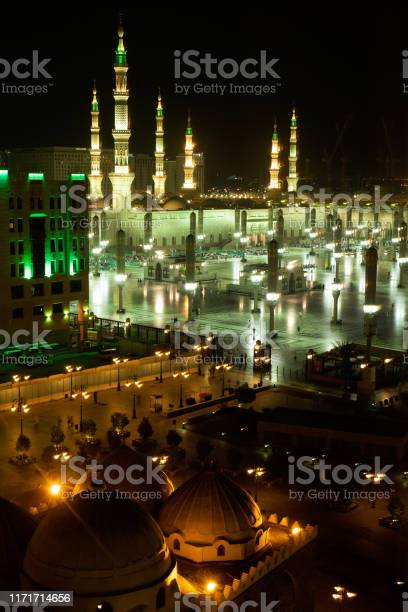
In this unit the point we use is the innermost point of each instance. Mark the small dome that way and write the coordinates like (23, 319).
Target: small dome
(175, 203)
(16, 529)
(96, 546)
(210, 507)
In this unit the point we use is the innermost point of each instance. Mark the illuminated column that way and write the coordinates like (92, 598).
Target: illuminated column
(193, 221)
(189, 185)
(280, 227)
(95, 178)
(293, 156)
(120, 267)
(121, 178)
(338, 234)
(190, 284)
(159, 177)
(402, 259)
(370, 307)
(274, 168)
(272, 295)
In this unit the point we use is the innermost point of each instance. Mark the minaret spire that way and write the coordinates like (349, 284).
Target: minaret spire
(274, 168)
(159, 177)
(293, 176)
(189, 184)
(121, 178)
(95, 178)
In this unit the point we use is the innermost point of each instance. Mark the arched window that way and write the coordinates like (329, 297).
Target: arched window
(176, 545)
(161, 598)
(221, 551)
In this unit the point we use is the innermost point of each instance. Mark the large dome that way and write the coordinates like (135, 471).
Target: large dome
(175, 203)
(211, 512)
(16, 529)
(97, 546)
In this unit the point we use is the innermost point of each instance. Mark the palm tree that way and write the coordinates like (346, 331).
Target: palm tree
(346, 350)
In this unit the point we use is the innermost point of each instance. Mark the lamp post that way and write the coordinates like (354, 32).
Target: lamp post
(256, 472)
(183, 375)
(224, 367)
(118, 361)
(337, 256)
(342, 595)
(336, 289)
(70, 370)
(83, 395)
(120, 281)
(370, 326)
(255, 280)
(161, 355)
(136, 384)
(20, 406)
(272, 298)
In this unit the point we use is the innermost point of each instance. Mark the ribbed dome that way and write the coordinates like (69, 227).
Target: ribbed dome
(175, 203)
(97, 546)
(16, 529)
(208, 507)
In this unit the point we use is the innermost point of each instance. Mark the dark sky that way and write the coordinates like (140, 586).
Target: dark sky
(346, 76)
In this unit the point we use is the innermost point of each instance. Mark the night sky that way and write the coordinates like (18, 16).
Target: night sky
(336, 77)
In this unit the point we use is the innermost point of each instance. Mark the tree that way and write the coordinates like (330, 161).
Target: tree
(396, 507)
(245, 395)
(173, 438)
(119, 421)
(145, 429)
(57, 435)
(23, 444)
(204, 449)
(89, 430)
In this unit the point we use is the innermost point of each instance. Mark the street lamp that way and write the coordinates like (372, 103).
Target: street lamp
(70, 370)
(118, 361)
(256, 472)
(336, 288)
(161, 355)
(370, 310)
(224, 367)
(272, 298)
(136, 384)
(342, 595)
(120, 280)
(337, 256)
(83, 395)
(255, 280)
(20, 406)
(182, 375)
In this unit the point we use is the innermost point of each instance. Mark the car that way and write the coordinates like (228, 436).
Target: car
(390, 523)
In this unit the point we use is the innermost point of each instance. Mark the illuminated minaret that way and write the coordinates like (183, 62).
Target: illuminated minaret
(159, 177)
(293, 175)
(121, 178)
(95, 178)
(274, 169)
(189, 184)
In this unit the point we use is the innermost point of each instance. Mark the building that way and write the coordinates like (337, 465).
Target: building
(44, 259)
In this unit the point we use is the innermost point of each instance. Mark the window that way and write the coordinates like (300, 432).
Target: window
(52, 203)
(19, 225)
(13, 270)
(75, 285)
(11, 203)
(161, 598)
(39, 204)
(21, 247)
(82, 265)
(74, 244)
(52, 224)
(75, 266)
(57, 308)
(21, 269)
(60, 245)
(52, 266)
(221, 551)
(37, 290)
(12, 249)
(176, 544)
(82, 244)
(60, 266)
(38, 311)
(17, 313)
(17, 292)
(19, 203)
(32, 203)
(52, 245)
(12, 225)
(57, 288)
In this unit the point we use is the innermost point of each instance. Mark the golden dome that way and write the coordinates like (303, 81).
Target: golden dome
(175, 203)
(95, 546)
(211, 508)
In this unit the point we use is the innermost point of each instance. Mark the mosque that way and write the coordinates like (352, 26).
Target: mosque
(209, 540)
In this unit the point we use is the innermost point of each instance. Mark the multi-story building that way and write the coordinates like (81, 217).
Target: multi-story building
(43, 256)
